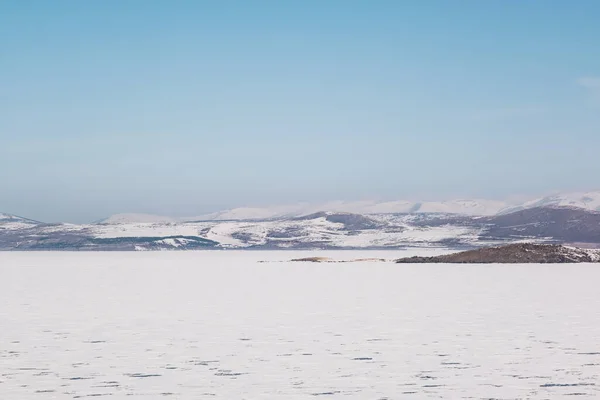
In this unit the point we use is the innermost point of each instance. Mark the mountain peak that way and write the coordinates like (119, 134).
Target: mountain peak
(584, 200)
(9, 222)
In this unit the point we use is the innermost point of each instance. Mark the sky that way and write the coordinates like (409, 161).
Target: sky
(184, 107)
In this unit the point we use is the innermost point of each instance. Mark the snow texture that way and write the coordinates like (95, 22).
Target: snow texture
(220, 325)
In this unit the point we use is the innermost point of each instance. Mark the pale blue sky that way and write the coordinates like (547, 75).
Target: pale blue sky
(182, 107)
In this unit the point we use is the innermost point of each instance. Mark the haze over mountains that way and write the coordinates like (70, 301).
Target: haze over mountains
(572, 218)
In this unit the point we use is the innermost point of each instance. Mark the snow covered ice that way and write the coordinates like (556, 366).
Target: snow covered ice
(220, 325)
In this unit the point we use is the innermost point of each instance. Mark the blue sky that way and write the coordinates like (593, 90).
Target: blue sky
(181, 107)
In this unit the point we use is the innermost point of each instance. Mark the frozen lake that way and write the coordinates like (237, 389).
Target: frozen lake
(220, 325)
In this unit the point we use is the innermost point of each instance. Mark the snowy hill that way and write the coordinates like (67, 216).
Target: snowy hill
(319, 230)
(457, 224)
(9, 217)
(588, 201)
(464, 207)
(136, 218)
(9, 221)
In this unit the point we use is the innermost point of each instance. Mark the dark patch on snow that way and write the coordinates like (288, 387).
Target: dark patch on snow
(548, 385)
(139, 375)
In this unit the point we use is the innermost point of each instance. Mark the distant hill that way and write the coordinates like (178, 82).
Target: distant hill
(136, 218)
(560, 224)
(456, 225)
(584, 200)
(9, 222)
(14, 218)
(468, 207)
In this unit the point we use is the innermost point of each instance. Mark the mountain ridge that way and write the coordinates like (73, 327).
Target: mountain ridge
(322, 230)
(471, 207)
(564, 219)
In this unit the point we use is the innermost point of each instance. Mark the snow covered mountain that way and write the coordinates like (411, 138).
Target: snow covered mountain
(9, 221)
(136, 218)
(319, 230)
(471, 207)
(464, 207)
(9, 217)
(323, 230)
(584, 200)
(457, 224)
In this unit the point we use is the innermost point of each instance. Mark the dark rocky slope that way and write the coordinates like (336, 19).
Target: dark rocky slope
(559, 224)
(520, 253)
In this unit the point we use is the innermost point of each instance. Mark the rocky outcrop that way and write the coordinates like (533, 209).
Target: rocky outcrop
(330, 260)
(520, 253)
(313, 259)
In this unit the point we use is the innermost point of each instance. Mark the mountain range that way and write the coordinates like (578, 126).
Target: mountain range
(474, 207)
(572, 218)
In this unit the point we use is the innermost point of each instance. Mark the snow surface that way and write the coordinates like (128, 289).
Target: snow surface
(221, 325)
